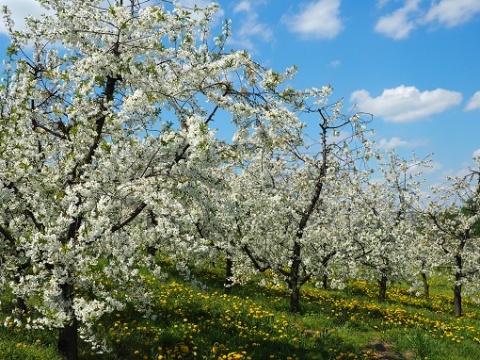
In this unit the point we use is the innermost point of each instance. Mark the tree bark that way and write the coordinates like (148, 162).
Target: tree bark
(68, 335)
(294, 279)
(426, 286)
(295, 299)
(457, 288)
(68, 341)
(325, 282)
(227, 286)
(20, 306)
(457, 300)
(382, 293)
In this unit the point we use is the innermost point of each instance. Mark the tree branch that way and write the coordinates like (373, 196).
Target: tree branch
(7, 235)
(130, 218)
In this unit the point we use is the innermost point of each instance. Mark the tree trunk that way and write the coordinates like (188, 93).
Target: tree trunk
(227, 286)
(426, 286)
(295, 299)
(68, 341)
(457, 288)
(325, 282)
(382, 293)
(68, 336)
(20, 306)
(457, 300)
(294, 279)
(457, 294)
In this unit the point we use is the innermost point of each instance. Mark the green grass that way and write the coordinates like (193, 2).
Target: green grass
(254, 323)
(17, 343)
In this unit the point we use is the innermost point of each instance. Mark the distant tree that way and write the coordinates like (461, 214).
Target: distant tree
(288, 196)
(454, 216)
(383, 225)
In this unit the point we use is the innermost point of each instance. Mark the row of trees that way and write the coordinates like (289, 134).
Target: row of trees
(110, 153)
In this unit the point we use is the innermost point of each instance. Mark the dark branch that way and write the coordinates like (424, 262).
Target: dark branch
(130, 218)
(7, 235)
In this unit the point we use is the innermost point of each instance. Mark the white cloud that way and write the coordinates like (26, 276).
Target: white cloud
(451, 13)
(476, 153)
(250, 26)
(243, 6)
(474, 102)
(334, 63)
(400, 23)
(448, 13)
(406, 103)
(20, 9)
(395, 143)
(318, 19)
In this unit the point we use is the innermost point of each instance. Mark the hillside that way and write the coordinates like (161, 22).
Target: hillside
(200, 322)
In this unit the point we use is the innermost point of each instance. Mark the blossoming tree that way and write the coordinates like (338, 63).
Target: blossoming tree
(107, 112)
(454, 216)
(383, 224)
(288, 195)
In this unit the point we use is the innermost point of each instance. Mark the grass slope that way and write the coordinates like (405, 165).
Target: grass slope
(253, 323)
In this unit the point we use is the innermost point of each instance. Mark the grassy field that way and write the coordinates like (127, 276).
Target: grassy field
(253, 323)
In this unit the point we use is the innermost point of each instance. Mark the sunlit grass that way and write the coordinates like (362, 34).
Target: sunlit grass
(253, 322)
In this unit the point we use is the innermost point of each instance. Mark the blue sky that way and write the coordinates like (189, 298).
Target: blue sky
(413, 64)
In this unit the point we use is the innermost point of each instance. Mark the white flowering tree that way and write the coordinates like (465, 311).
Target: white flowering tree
(383, 223)
(454, 215)
(106, 129)
(287, 196)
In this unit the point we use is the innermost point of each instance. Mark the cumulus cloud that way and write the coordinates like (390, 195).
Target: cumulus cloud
(451, 13)
(474, 102)
(448, 13)
(400, 23)
(395, 143)
(406, 103)
(319, 19)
